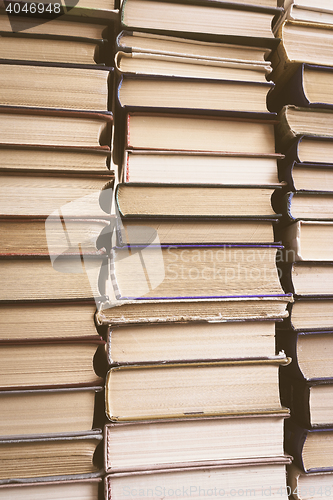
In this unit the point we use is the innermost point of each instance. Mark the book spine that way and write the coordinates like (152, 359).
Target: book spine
(286, 277)
(284, 133)
(290, 91)
(286, 340)
(295, 437)
(295, 395)
(285, 172)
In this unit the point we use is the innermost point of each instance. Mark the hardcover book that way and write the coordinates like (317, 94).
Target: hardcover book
(307, 241)
(310, 402)
(192, 442)
(307, 176)
(37, 85)
(71, 489)
(158, 342)
(50, 158)
(307, 205)
(255, 477)
(137, 42)
(31, 278)
(204, 200)
(54, 127)
(305, 486)
(38, 320)
(190, 272)
(311, 448)
(302, 42)
(308, 278)
(176, 167)
(294, 122)
(202, 310)
(50, 411)
(311, 353)
(49, 363)
(202, 17)
(309, 86)
(311, 314)
(195, 230)
(140, 392)
(51, 456)
(308, 149)
(143, 63)
(213, 134)
(172, 92)
(69, 27)
(81, 194)
(23, 47)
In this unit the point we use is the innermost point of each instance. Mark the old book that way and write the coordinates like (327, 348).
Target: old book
(320, 13)
(42, 48)
(40, 194)
(71, 489)
(308, 86)
(308, 278)
(137, 42)
(44, 158)
(178, 341)
(58, 27)
(189, 442)
(310, 402)
(305, 486)
(294, 122)
(190, 271)
(50, 455)
(311, 448)
(311, 353)
(167, 200)
(302, 42)
(202, 310)
(52, 127)
(58, 87)
(255, 478)
(38, 320)
(318, 5)
(311, 314)
(37, 236)
(143, 63)
(310, 150)
(308, 241)
(307, 205)
(179, 230)
(193, 389)
(51, 362)
(200, 133)
(198, 17)
(307, 177)
(49, 411)
(68, 277)
(169, 167)
(171, 92)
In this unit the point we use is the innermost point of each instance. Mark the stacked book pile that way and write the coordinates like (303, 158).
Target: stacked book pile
(54, 166)
(192, 390)
(303, 96)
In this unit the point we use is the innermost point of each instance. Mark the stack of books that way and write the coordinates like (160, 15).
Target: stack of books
(55, 127)
(304, 98)
(192, 390)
